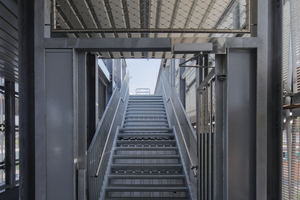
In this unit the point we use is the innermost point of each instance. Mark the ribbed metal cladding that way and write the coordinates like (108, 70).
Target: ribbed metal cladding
(9, 39)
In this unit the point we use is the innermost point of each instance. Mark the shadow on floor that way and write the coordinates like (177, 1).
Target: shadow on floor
(10, 194)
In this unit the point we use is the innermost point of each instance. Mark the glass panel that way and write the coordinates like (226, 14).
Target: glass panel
(17, 145)
(2, 177)
(17, 172)
(2, 130)
(2, 81)
(2, 146)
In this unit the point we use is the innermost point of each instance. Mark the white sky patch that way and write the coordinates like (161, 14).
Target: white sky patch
(143, 72)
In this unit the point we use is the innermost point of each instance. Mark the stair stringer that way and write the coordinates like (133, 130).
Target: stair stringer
(191, 196)
(107, 173)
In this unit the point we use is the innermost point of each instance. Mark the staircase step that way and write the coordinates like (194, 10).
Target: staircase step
(156, 189)
(142, 176)
(146, 166)
(146, 120)
(146, 129)
(146, 136)
(146, 198)
(131, 100)
(145, 156)
(145, 113)
(146, 148)
(155, 142)
(146, 105)
(146, 116)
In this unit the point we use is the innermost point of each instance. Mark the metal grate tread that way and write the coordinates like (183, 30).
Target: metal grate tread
(146, 120)
(141, 176)
(177, 189)
(135, 142)
(144, 130)
(152, 136)
(145, 116)
(146, 198)
(146, 156)
(146, 148)
(147, 165)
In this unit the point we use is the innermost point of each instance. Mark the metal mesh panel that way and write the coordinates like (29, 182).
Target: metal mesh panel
(286, 41)
(295, 181)
(149, 18)
(205, 142)
(285, 168)
(295, 39)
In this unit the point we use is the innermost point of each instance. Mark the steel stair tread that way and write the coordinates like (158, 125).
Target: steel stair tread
(146, 198)
(146, 120)
(146, 142)
(141, 176)
(145, 116)
(146, 135)
(146, 166)
(146, 185)
(146, 156)
(146, 148)
(177, 189)
(146, 129)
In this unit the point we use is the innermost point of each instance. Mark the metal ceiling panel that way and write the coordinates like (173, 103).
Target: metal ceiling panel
(151, 18)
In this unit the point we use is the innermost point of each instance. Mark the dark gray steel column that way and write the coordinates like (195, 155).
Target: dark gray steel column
(109, 89)
(91, 96)
(181, 84)
(274, 151)
(118, 65)
(219, 144)
(82, 125)
(10, 133)
(26, 94)
(269, 97)
(241, 131)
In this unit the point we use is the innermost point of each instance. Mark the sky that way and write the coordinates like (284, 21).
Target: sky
(143, 73)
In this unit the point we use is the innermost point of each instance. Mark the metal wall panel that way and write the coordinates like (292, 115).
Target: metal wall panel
(241, 134)
(59, 124)
(9, 39)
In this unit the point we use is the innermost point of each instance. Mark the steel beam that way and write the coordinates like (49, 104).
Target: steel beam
(110, 44)
(151, 30)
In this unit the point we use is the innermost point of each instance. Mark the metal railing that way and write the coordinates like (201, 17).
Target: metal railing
(186, 136)
(100, 148)
(142, 91)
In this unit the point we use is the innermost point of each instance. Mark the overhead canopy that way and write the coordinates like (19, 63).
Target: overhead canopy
(149, 19)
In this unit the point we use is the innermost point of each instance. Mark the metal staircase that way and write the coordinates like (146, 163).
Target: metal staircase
(145, 162)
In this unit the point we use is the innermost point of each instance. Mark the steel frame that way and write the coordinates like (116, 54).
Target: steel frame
(265, 23)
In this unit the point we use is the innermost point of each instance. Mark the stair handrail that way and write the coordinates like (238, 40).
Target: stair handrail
(103, 137)
(108, 135)
(193, 166)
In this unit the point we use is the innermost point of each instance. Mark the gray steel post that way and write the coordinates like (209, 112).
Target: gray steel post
(219, 144)
(181, 84)
(118, 74)
(109, 89)
(269, 98)
(10, 133)
(26, 51)
(82, 125)
(91, 95)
